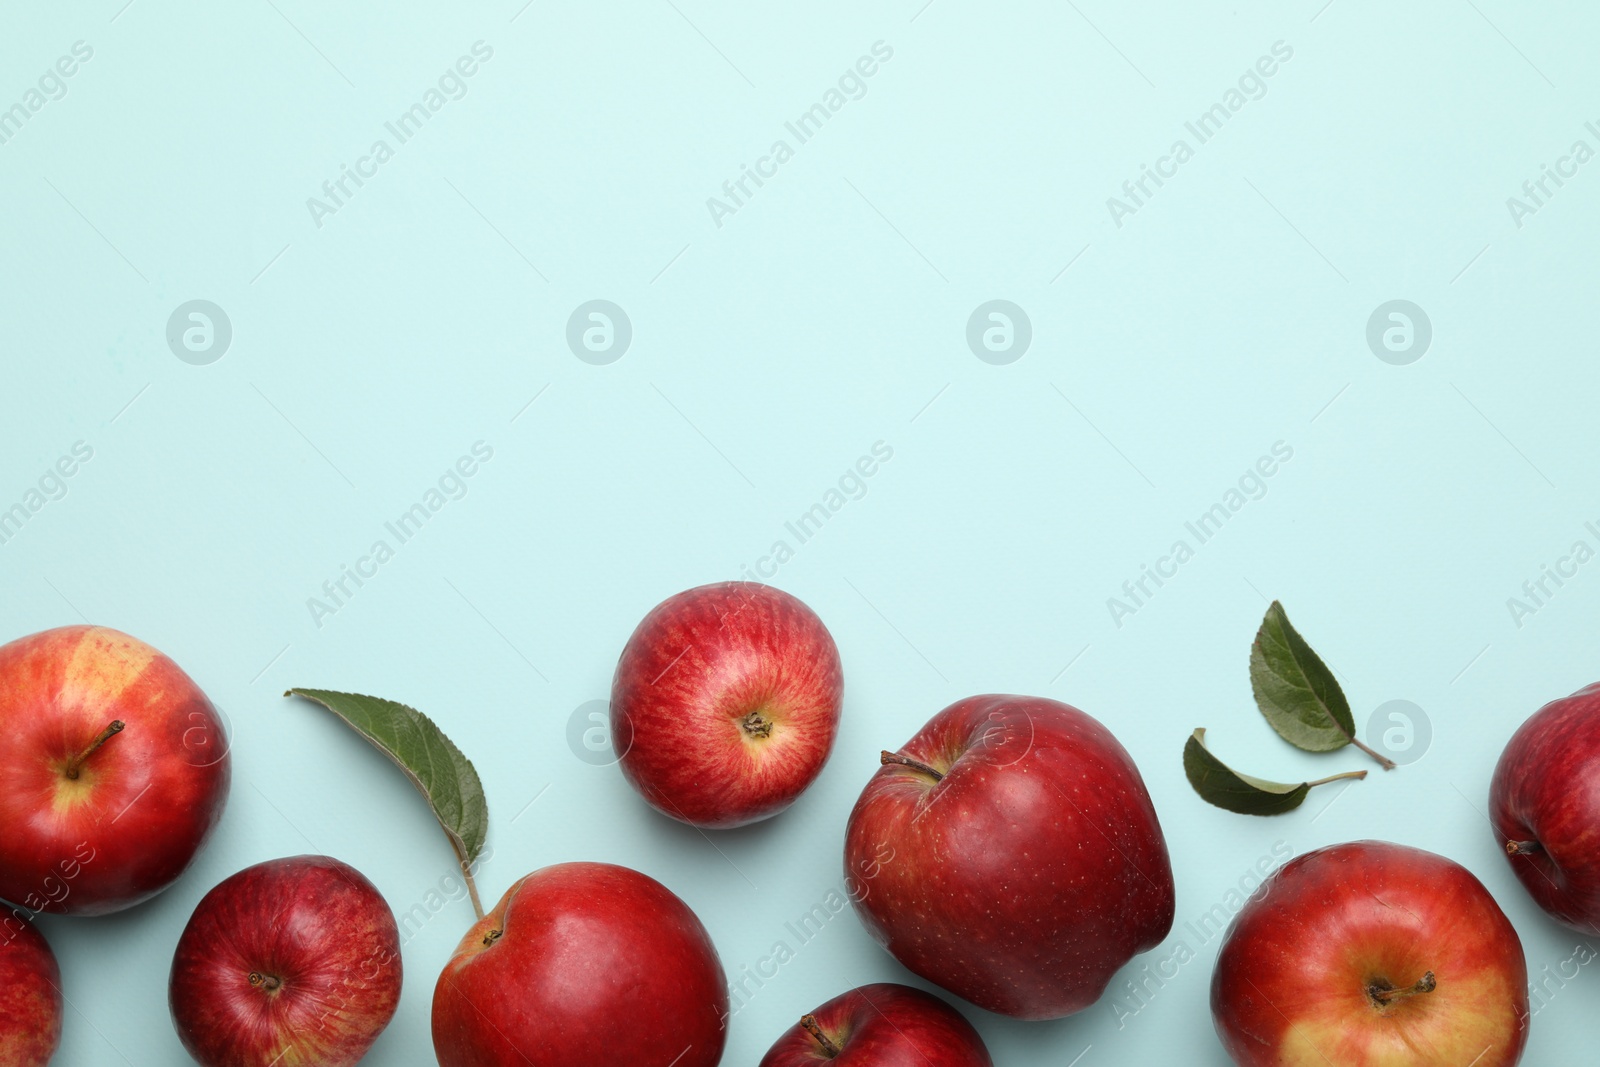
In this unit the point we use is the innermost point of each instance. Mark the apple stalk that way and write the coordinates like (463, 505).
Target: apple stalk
(1385, 996)
(888, 758)
(75, 764)
(814, 1028)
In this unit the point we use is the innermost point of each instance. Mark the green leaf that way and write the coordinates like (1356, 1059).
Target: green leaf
(1296, 692)
(1218, 784)
(430, 759)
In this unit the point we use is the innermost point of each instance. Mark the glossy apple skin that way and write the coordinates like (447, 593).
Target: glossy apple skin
(320, 930)
(583, 965)
(698, 665)
(1029, 874)
(142, 805)
(883, 1025)
(1546, 790)
(1291, 983)
(30, 995)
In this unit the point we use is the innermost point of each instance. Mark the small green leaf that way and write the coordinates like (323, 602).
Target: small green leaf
(1226, 788)
(1219, 784)
(430, 759)
(1296, 692)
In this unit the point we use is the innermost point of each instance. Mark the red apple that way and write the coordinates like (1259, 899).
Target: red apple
(30, 995)
(1544, 802)
(1026, 862)
(882, 1025)
(1371, 953)
(583, 965)
(292, 961)
(113, 771)
(725, 703)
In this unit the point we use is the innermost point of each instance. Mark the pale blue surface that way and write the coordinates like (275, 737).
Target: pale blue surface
(826, 314)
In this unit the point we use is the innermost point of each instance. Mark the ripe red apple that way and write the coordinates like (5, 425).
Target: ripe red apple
(725, 703)
(1371, 953)
(1544, 802)
(30, 995)
(1028, 864)
(114, 771)
(583, 965)
(292, 961)
(881, 1025)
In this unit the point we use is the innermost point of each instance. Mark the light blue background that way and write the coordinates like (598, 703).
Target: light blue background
(768, 354)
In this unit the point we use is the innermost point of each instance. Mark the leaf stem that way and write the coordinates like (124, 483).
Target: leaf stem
(1383, 761)
(1357, 775)
(472, 889)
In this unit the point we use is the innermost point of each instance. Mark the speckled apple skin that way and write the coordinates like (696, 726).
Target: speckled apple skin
(883, 1025)
(1029, 874)
(583, 965)
(1546, 789)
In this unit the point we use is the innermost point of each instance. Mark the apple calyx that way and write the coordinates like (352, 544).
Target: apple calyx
(269, 983)
(75, 764)
(756, 725)
(814, 1028)
(1383, 995)
(492, 936)
(887, 758)
(1523, 848)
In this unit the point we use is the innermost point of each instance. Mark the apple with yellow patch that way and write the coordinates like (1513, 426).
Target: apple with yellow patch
(1371, 954)
(114, 770)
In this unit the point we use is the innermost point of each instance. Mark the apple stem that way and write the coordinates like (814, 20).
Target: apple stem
(75, 764)
(1426, 984)
(1338, 777)
(1523, 848)
(886, 758)
(815, 1030)
(270, 982)
(1383, 761)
